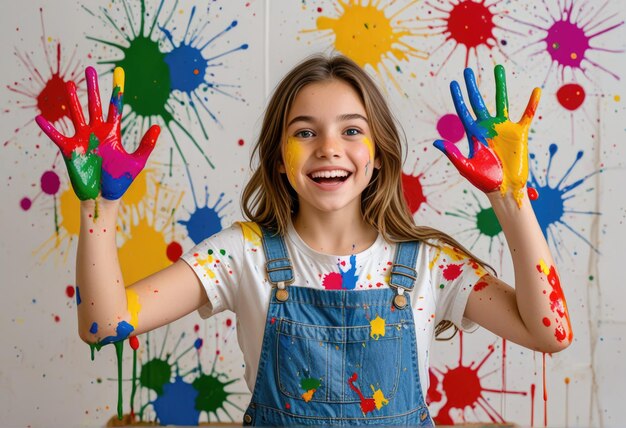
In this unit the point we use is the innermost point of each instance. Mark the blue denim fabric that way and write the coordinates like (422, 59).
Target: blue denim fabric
(337, 357)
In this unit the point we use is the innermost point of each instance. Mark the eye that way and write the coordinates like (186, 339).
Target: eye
(305, 133)
(352, 131)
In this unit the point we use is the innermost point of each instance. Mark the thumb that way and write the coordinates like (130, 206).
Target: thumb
(147, 143)
(452, 152)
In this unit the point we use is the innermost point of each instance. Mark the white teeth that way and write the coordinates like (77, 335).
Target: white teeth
(330, 174)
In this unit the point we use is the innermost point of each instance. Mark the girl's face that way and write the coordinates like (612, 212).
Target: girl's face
(328, 153)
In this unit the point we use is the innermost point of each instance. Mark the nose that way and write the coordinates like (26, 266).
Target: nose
(328, 147)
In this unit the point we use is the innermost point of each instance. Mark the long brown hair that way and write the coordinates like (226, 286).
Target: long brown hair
(270, 201)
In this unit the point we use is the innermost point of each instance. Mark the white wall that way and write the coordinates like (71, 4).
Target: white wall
(46, 375)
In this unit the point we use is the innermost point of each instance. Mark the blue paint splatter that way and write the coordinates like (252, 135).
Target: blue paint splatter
(94, 328)
(206, 221)
(78, 299)
(177, 405)
(349, 277)
(123, 330)
(551, 206)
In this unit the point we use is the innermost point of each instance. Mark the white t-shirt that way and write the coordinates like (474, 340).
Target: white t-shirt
(231, 267)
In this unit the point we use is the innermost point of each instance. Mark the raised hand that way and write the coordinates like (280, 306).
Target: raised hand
(498, 148)
(95, 157)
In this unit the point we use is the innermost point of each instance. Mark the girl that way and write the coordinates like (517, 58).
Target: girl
(337, 292)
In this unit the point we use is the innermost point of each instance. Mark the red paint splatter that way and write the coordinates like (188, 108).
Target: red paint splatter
(367, 404)
(546, 321)
(452, 272)
(240, 142)
(229, 322)
(571, 96)
(480, 285)
(462, 389)
(533, 195)
(196, 328)
(332, 281)
(558, 304)
(174, 251)
(413, 191)
(133, 341)
(57, 318)
(471, 24)
(70, 291)
(26, 203)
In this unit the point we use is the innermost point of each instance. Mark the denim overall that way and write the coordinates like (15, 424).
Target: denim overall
(338, 357)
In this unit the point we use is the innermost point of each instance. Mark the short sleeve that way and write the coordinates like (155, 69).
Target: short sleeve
(217, 263)
(453, 276)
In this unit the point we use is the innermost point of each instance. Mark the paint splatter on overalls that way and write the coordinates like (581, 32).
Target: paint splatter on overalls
(338, 357)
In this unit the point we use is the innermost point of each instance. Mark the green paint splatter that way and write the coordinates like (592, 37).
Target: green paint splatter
(212, 392)
(310, 383)
(154, 374)
(487, 222)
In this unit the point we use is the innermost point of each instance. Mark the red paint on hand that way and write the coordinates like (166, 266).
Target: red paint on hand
(133, 342)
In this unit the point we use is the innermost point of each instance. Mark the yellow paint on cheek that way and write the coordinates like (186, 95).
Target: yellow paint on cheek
(132, 300)
(511, 147)
(377, 327)
(293, 157)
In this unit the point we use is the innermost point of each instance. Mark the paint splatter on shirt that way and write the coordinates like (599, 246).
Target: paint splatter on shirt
(231, 267)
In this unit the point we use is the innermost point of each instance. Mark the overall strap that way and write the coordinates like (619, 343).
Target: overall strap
(278, 264)
(403, 273)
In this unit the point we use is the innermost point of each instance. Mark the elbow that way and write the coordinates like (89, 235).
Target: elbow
(556, 345)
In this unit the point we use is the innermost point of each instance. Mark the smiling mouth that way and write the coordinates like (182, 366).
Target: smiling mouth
(322, 177)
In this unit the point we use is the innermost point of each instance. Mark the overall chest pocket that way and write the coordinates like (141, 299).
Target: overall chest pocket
(339, 364)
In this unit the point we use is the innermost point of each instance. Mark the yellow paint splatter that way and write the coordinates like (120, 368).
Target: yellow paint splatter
(379, 398)
(251, 232)
(206, 261)
(544, 267)
(143, 253)
(68, 228)
(132, 302)
(307, 396)
(617, 98)
(377, 327)
(364, 32)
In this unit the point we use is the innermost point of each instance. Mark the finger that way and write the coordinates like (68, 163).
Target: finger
(476, 100)
(93, 96)
(117, 96)
(76, 111)
(459, 105)
(531, 107)
(502, 101)
(147, 143)
(56, 137)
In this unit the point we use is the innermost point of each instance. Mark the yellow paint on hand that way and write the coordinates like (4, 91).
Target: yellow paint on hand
(132, 302)
(511, 146)
(377, 327)
(307, 396)
(118, 78)
(379, 398)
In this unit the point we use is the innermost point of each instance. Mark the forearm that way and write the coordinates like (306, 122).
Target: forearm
(539, 296)
(103, 303)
